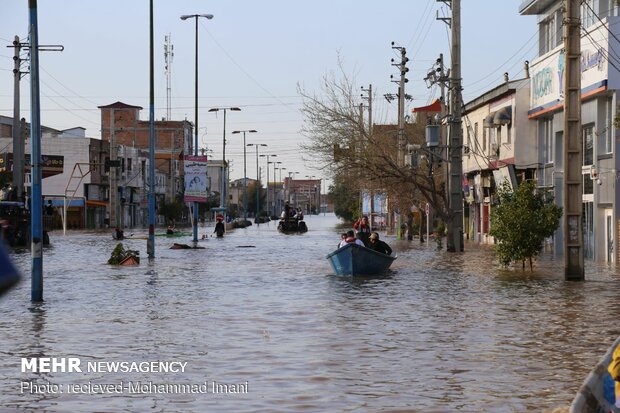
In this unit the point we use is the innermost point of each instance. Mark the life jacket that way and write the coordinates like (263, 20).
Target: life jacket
(349, 240)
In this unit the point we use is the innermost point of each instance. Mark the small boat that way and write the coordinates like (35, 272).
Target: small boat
(292, 226)
(353, 259)
(174, 234)
(597, 389)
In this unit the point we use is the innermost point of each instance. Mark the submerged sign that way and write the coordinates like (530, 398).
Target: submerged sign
(195, 179)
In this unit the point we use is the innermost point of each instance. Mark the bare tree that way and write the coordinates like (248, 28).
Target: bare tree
(338, 141)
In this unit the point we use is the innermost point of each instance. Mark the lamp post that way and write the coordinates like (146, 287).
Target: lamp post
(257, 181)
(310, 200)
(267, 199)
(245, 175)
(195, 204)
(281, 169)
(274, 185)
(290, 182)
(224, 179)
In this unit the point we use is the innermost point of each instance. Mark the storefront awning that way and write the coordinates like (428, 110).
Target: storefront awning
(488, 122)
(503, 116)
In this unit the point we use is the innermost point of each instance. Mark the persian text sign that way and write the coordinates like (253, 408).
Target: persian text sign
(195, 179)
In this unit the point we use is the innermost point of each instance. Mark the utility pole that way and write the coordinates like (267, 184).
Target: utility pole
(573, 230)
(19, 149)
(112, 172)
(402, 66)
(372, 194)
(454, 241)
(18, 143)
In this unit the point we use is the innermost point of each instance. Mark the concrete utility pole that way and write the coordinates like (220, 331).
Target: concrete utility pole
(18, 143)
(454, 242)
(573, 230)
(372, 194)
(19, 149)
(400, 160)
(112, 172)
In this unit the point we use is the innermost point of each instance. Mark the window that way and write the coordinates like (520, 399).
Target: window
(550, 32)
(547, 139)
(588, 185)
(609, 125)
(492, 141)
(606, 8)
(508, 134)
(129, 166)
(588, 145)
(587, 13)
(143, 170)
(484, 139)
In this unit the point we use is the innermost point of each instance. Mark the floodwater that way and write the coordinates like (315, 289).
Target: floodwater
(261, 314)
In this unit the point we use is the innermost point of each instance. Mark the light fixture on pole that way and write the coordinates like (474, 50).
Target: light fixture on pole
(274, 185)
(290, 183)
(195, 204)
(245, 174)
(283, 193)
(224, 178)
(267, 199)
(257, 181)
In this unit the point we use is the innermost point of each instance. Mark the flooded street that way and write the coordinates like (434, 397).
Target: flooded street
(441, 332)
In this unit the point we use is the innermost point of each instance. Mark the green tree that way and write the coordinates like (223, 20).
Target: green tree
(521, 223)
(172, 211)
(345, 199)
(251, 190)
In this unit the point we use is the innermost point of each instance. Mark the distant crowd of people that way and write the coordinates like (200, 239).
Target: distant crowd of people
(361, 234)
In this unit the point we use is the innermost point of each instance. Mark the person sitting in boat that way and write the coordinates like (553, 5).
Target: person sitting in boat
(299, 215)
(219, 227)
(614, 370)
(362, 227)
(118, 234)
(350, 239)
(376, 244)
(170, 230)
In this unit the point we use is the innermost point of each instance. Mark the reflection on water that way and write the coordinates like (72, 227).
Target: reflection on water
(440, 332)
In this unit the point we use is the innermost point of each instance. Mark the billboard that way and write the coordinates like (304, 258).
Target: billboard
(195, 179)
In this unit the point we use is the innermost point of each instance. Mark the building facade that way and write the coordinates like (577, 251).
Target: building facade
(600, 81)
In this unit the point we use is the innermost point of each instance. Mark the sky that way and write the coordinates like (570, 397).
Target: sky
(253, 55)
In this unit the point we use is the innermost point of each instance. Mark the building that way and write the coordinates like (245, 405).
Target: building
(499, 146)
(122, 128)
(600, 81)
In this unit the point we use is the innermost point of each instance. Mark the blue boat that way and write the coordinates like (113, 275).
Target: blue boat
(353, 259)
(596, 393)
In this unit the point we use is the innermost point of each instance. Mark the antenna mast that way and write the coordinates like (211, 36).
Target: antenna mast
(168, 55)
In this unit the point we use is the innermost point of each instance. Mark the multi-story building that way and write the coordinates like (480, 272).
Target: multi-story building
(121, 125)
(499, 146)
(600, 81)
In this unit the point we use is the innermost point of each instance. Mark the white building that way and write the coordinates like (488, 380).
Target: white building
(600, 80)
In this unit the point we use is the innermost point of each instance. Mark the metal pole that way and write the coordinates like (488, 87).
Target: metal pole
(245, 178)
(195, 204)
(257, 189)
(36, 209)
(150, 243)
(223, 189)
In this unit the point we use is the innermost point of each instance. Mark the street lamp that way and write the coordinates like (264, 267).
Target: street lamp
(267, 199)
(224, 180)
(257, 181)
(290, 182)
(245, 175)
(274, 185)
(195, 204)
(313, 195)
